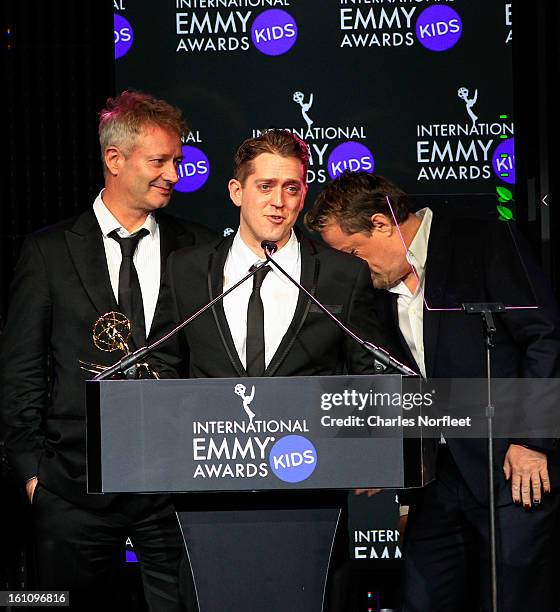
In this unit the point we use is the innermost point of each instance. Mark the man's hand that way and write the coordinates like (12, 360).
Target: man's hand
(30, 486)
(403, 521)
(529, 475)
(370, 492)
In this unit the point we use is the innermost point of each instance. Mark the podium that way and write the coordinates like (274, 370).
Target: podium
(262, 460)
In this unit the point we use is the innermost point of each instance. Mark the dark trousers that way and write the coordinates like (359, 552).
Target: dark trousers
(447, 551)
(80, 550)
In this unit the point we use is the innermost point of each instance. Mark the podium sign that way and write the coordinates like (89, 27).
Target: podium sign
(243, 435)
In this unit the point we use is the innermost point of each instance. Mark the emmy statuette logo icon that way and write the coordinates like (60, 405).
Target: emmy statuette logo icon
(298, 98)
(463, 94)
(240, 389)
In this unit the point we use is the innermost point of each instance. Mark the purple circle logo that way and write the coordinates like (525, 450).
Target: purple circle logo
(193, 171)
(438, 28)
(503, 161)
(274, 32)
(124, 36)
(350, 156)
(293, 458)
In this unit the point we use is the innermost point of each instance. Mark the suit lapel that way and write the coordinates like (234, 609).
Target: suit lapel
(437, 269)
(171, 238)
(85, 244)
(309, 279)
(216, 263)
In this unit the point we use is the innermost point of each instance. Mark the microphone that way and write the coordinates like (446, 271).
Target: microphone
(130, 360)
(269, 247)
(380, 355)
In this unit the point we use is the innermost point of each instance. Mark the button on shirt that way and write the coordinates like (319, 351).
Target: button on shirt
(411, 306)
(147, 258)
(278, 294)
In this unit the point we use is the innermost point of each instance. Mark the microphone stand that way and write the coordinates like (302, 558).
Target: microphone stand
(380, 355)
(382, 358)
(486, 309)
(131, 360)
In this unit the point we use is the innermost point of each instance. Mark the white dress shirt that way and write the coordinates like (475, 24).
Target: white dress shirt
(147, 258)
(411, 305)
(278, 294)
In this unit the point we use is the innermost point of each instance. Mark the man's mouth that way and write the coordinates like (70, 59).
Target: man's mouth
(165, 190)
(277, 219)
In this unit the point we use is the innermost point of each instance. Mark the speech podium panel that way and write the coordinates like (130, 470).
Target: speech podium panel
(265, 463)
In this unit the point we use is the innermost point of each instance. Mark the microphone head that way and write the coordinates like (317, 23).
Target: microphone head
(269, 247)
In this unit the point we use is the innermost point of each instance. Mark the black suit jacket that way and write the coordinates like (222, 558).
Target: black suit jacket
(483, 262)
(61, 286)
(313, 344)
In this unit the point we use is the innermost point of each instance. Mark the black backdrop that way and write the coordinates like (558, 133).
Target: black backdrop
(57, 71)
(58, 68)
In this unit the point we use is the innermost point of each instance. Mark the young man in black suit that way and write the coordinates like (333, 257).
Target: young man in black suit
(425, 260)
(67, 277)
(292, 337)
(269, 188)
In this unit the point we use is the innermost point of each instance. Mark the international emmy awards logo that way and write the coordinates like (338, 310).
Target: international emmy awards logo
(274, 32)
(240, 389)
(463, 94)
(193, 170)
(298, 98)
(124, 35)
(438, 28)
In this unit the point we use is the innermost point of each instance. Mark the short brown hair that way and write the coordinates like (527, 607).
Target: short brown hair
(123, 118)
(276, 141)
(351, 200)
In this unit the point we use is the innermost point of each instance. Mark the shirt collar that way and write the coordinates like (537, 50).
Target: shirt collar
(108, 223)
(244, 257)
(418, 250)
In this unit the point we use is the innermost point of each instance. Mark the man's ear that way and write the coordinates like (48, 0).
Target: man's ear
(382, 224)
(235, 191)
(113, 160)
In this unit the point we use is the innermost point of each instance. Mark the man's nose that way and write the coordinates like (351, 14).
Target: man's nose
(170, 173)
(277, 198)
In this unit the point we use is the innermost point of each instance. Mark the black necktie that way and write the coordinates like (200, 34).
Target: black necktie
(255, 326)
(130, 294)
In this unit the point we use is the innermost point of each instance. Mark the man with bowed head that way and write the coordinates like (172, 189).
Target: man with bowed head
(110, 258)
(425, 259)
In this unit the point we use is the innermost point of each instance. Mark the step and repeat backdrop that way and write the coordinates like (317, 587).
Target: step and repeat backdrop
(419, 91)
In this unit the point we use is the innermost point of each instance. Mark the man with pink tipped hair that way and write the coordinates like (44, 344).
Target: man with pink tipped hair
(67, 277)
